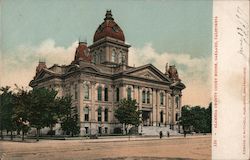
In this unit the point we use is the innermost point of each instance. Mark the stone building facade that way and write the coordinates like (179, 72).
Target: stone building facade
(99, 76)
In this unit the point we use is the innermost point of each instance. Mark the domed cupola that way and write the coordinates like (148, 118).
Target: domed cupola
(109, 28)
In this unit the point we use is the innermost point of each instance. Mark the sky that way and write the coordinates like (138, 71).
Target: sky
(164, 31)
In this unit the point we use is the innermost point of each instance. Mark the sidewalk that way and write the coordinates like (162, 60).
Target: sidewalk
(137, 138)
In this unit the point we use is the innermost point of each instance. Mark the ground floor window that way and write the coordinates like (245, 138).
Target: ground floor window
(106, 130)
(87, 130)
(161, 117)
(100, 130)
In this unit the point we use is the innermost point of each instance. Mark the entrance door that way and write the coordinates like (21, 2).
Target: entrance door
(146, 118)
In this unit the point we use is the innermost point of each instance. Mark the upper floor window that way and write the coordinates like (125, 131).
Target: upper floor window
(76, 91)
(99, 112)
(106, 112)
(161, 98)
(120, 57)
(106, 94)
(129, 93)
(148, 97)
(176, 116)
(143, 97)
(86, 113)
(86, 91)
(177, 101)
(113, 56)
(117, 94)
(99, 93)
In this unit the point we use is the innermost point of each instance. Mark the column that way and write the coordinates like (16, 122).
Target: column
(157, 107)
(154, 103)
(166, 108)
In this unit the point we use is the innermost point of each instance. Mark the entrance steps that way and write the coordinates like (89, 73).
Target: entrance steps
(155, 130)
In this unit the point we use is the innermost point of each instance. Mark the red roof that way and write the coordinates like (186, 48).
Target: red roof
(109, 29)
(82, 53)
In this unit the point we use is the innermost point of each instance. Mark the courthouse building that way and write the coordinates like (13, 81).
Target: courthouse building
(99, 76)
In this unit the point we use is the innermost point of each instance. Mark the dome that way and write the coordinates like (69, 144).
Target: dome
(109, 29)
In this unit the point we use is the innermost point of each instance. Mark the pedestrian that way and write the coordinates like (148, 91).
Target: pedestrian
(160, 134)
(185, 133)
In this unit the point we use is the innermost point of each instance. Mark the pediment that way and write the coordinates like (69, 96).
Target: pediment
(147, 74)
(43, 74)
(90, 69)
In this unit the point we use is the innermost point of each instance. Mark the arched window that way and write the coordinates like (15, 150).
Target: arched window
(143, 97)
(106, 94)
(117, 94)
(161, 116)
(129, 93)
(86, 91)
(148, 97)
(161, 98)
(106, 112)
(113, 56)
(86, 113)
(99, 114)
(99, 93)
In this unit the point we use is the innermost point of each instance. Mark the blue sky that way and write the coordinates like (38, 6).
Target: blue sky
(178, 31)
(173, 26)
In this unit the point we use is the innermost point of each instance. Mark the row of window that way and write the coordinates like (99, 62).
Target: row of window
(145, 95)
(99, 114)
(99, 130)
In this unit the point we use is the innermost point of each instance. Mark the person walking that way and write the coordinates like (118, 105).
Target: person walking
(161, 134)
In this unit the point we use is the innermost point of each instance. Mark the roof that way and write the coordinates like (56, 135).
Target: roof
(109, 28)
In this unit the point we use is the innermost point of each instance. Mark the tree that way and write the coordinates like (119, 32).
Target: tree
(22, 104)
(68, 116)
(40, 115)
(127, 113)
(196, 118)
(6, 111)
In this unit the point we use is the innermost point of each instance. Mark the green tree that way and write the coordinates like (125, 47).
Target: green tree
(196, 118)
(68, 116)
(127, 113)
(6, 111)
(40, 111)
(22, 104)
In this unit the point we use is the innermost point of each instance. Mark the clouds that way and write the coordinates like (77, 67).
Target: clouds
(194, 72)
(19, 66)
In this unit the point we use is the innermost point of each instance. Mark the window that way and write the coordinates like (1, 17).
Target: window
(99, 93)
(117, 94)
(176, 117)
(106, 94)
(99, 114)
(161, 98)
(177, 101)
(113, 56)
(161, 116)
(86, 114)
(120, 57)
(106, 112)
(95, 58)
(106, 130)
(86, 130)
(100, 130)
(75, 91)
(86, 91)
(148, 97)
(143, 97)
(129, 93)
